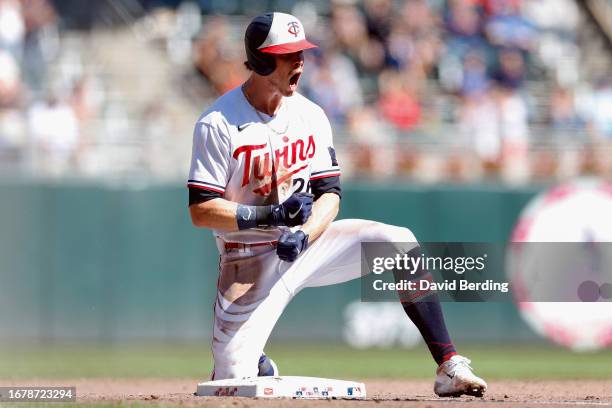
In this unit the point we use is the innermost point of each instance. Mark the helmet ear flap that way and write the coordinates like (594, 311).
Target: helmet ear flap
(260, 62)
(255, 35)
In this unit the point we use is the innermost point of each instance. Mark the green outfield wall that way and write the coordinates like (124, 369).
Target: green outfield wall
(113, 263)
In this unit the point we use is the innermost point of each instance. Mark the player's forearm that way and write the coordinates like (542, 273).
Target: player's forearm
(324, 211)
(221, 214)
(218, 214)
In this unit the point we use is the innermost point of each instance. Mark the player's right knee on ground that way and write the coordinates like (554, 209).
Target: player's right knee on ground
(234, 355)
(234, 364)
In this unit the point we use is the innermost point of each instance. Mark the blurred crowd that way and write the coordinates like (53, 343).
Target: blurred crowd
(431, 90)
(34, 122)
(443, 90)
(58, 118)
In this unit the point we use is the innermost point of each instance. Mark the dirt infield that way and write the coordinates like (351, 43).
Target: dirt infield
(381, 393)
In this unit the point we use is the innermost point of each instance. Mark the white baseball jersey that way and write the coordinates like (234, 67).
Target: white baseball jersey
(254, 159)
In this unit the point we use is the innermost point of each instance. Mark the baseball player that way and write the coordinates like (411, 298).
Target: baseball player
(264, 177)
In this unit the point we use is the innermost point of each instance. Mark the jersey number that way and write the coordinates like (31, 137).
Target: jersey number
(299, 184)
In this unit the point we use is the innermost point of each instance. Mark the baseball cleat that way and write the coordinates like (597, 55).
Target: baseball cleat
(267, 367)
(455, 378)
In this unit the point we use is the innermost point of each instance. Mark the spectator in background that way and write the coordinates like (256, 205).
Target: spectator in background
(217, 58)
(463, 21)
(86, 98)
(332, 83)
(399, 101)
(478, 114)
(54, 129)
(379, 19)
(601, 119)
(419, 23)
(495, 114)
(567, 125)
(349, 29)
(479, 125)
(513, 115)
(10, 81)
(514, 131)
(506, 26)
(464, 26)
(417, 17)
(373, 151)
(12, 127)
(600, 124)
(475, 81)
(510, 73)
(492, 7)
(12, 28)
(564, 117)
(40, 41)
(229, 72)
(351, 38)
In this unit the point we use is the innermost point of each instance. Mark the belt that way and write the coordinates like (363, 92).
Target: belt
(240, 245)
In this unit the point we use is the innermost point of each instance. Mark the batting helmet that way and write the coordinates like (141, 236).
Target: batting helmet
(273, 33)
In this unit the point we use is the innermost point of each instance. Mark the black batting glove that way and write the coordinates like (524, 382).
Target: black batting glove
(291, 245)
(293, 211)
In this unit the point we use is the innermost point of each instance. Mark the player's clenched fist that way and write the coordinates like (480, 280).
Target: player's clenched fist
(291, 244)
(293, 211)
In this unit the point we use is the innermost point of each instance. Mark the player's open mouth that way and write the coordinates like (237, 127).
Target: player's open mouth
(293, 81)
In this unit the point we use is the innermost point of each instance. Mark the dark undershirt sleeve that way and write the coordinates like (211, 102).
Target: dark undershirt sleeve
(318, 188)
(324, 185)
(199, 195)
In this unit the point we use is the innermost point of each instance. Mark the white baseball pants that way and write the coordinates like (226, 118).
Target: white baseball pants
(255, 286)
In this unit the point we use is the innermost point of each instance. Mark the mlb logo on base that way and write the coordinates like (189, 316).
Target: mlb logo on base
(283, 387)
